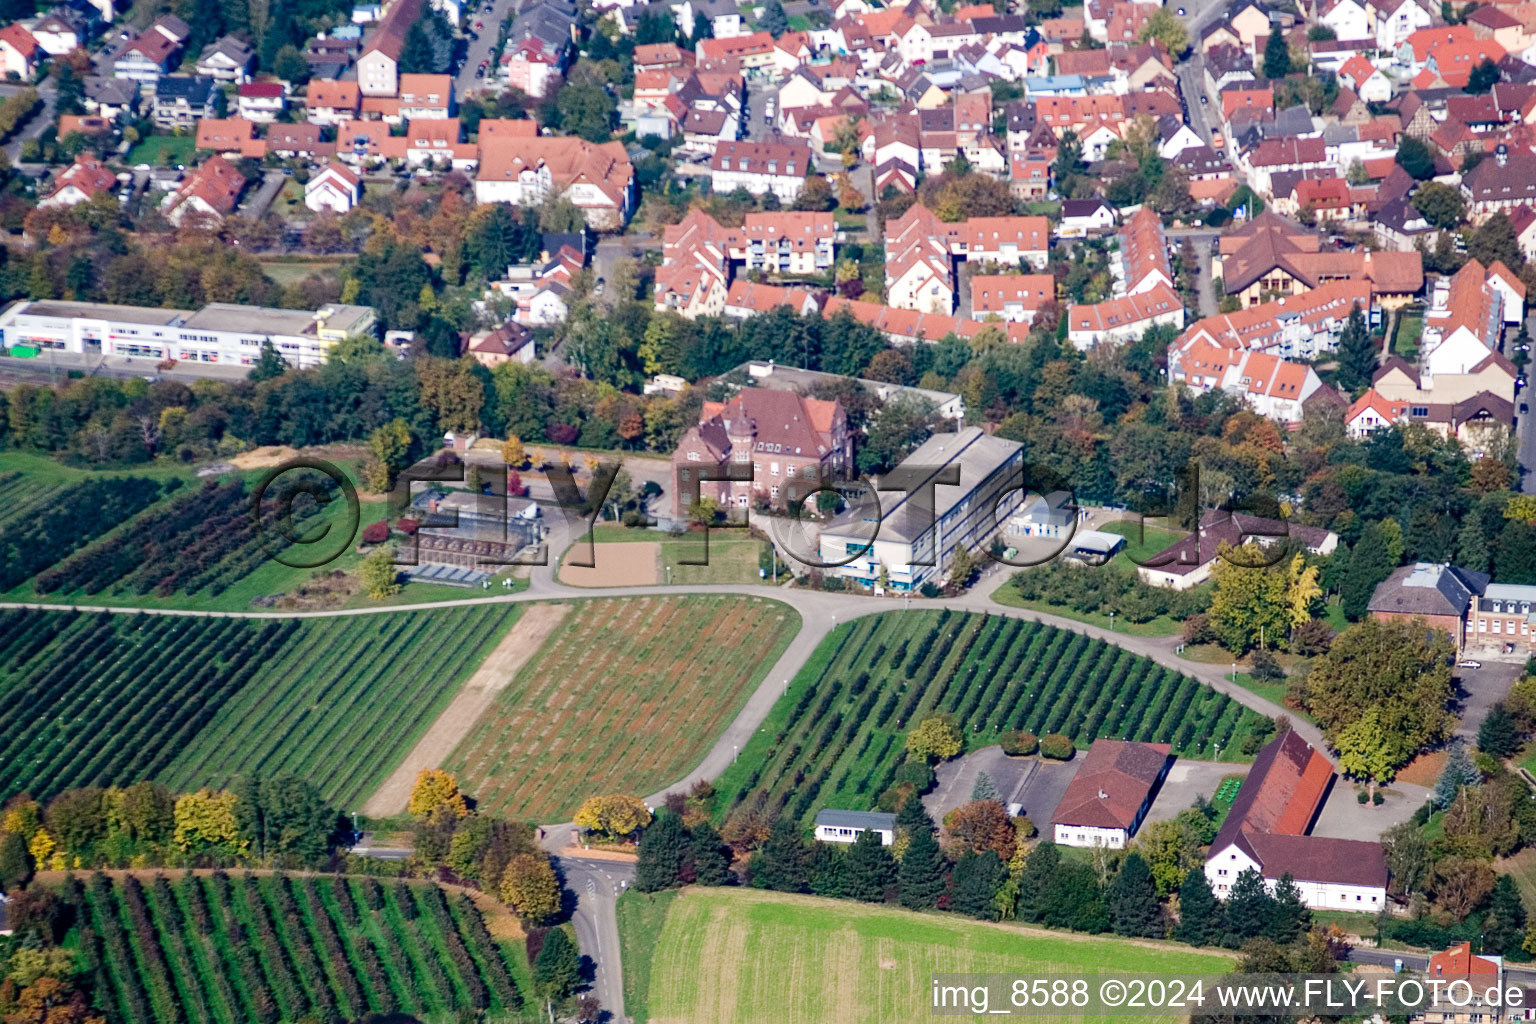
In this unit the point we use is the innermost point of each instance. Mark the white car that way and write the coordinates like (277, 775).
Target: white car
(1469, 663)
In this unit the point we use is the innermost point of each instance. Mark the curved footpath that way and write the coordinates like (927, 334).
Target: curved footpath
(597, 884)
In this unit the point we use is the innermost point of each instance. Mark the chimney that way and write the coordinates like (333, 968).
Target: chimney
(1103, 795)
(1501, 154)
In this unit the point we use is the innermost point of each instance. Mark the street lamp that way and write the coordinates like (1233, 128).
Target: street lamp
(1111, 622)
(735, 753)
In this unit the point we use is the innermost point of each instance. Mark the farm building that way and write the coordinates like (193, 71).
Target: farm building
(1107, 799)
(1267, 830)
(846, 826)
(920, 521)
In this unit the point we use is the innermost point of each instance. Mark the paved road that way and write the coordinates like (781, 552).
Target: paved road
(39, 123)
(597, 884)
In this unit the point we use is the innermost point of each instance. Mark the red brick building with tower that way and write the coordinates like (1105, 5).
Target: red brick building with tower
(795, 444)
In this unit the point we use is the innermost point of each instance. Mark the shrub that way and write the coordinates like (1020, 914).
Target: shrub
(930, 590)
(1057, 747)
(917, 772)
(408, 526)
(1361, 797)
(376, 533)
(1197, 630)
(1377, 798)
(892, 799)
(1019, 744)
(1264, 668)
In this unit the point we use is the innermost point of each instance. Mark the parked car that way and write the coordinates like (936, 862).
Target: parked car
(1469, 663)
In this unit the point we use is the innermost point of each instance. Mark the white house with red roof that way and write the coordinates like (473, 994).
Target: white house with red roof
(334, 189)
(82, 180)
(1110, 795)
(1015, 297)
(1368, 81)
(262, 102)
(1267, 830)
(597, 178)
(778, 165)
(210, 191)
(19, 51)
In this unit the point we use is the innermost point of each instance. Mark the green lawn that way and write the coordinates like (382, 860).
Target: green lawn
(163, 151)
(742, 956)
(289, 270)
(1269, 691)
(1142, 540)
(1409, 330)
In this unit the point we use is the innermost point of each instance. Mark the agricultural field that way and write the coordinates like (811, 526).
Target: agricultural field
(202, 543)
(743, 956)
(96, 699)
(51, 521)
(229, 950)
(624, 695)
(837, 737)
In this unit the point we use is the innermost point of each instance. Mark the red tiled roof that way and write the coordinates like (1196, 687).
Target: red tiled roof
(1112, 784)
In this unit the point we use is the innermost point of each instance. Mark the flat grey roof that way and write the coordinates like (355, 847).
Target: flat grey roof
(224, 316)
(102, 311)
(978, 455)
(340, 316)
(855, 819)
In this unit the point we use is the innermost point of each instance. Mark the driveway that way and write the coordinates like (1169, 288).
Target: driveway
(40, 121)
(1187, 780)
(1479, 689)
(1035, 784)
(261, 200)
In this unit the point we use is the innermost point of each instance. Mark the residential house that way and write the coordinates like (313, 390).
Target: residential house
(82, 180)
(1015, 297)
(228, 135)
(1110, 795)
(111, 98)
(226, 59)
(1268, 257)
(262, 102)
(598, 178)
(378, 70)
(747, 298)
(1267, 831)
(183, 100)
(1083, 217)
(334, 189)
(1393, 21)
(210, 191)
(509, 343)
(153, 52)
(425, 97)
(19, 51)
(298, 141)
(1125, 319)
(330, 102)
(777, 165)
(61, 31)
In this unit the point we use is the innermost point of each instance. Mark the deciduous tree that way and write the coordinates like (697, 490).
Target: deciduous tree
(529, 887)
(614, 815)
(433, 789)
(935, 737)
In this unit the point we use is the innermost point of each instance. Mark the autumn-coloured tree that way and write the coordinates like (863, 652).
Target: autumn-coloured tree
(530, 888)
(207, 822)
(512, 452)
(936, 737)
(981, 825)
(615, 815)
(436, 788)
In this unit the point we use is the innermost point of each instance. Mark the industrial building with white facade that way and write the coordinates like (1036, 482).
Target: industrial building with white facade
(218, 333)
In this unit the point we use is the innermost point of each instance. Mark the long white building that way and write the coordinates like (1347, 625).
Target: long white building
(905, 535)
(220, 333)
